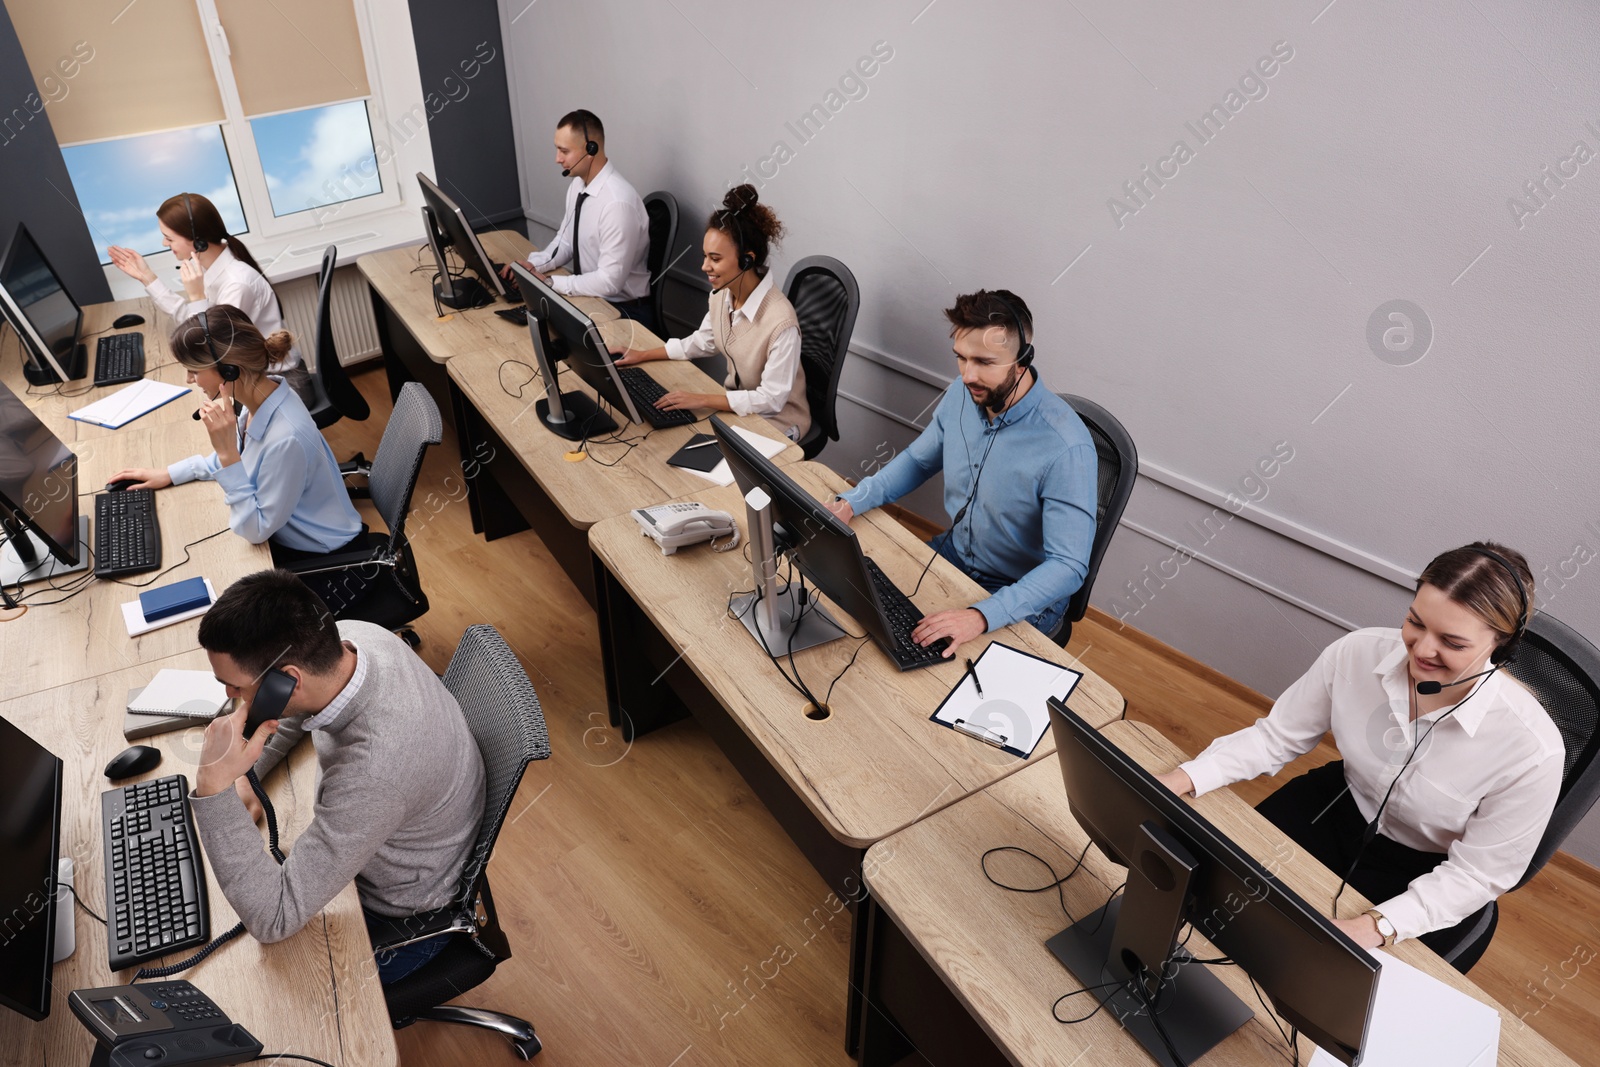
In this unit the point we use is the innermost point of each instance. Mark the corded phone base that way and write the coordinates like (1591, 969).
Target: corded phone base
(160, 1024)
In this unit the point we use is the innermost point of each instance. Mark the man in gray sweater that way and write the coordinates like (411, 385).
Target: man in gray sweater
(400, 790)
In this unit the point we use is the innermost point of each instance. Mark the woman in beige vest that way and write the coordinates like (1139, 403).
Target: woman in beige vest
(749, 322)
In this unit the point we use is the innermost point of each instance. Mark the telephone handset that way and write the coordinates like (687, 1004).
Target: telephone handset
(168, 1022)
(272, 699)
(674, 525)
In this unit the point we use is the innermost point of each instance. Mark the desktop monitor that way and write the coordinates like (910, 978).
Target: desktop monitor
(42, 312)
(38, 498)
(585, 350)
(30, 841)
(1183, 869)
(448, 228)
(824, 548)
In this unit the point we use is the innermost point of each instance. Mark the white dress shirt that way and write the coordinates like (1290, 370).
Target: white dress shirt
(613, 241)
(1480, 789)
(229, 280)
(768, 396)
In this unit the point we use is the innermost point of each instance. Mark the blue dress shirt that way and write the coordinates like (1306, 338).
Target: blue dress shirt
(1032, 521)
(286, 485)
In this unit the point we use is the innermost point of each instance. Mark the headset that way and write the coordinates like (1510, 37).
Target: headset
(1503, 653)
(200, 243)
(996, 400)
(591, 147)
(228, 372)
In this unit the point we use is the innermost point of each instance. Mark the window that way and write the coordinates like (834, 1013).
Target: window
(121, 183)
(274, 111)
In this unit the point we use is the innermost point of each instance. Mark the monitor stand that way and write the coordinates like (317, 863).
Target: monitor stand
(76, 365)
(776, 616)
(460, 292)
(574, 416)
(16, 568)
(1196, 1010)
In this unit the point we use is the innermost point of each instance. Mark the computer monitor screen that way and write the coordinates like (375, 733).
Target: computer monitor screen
(579, 340)
(457, 233)
(1316, 977)
(30, 841)
(38, 480)
(43, 312)
(824, 548)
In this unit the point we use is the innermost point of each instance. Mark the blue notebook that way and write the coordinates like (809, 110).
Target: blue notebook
(174, 599)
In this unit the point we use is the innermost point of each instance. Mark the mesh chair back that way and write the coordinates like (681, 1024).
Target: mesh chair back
(335, 384)
(413, 426)
(1562, 669)
(1118, 469)
(503, 712)
(662, 209)
(825, 298)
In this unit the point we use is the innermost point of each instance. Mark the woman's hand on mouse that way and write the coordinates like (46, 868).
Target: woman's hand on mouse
(143, 477)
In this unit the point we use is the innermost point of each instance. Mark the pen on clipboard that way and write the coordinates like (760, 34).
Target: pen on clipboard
(972, 669)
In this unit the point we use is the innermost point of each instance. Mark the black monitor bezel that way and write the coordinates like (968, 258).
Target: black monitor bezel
(21, 514)
(1197, 833)
(40, 1009)
(33, 342)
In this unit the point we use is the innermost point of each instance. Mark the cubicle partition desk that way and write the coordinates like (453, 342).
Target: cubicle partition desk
(958, 967)
(875, 763)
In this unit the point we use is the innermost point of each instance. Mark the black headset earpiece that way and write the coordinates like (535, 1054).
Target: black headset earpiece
(997, 400)
(590, 145)
(228, 372)
(200, 243)
(1503, 653)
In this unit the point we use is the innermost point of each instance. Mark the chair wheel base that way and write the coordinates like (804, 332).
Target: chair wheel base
(527, 1048)
(410, 637)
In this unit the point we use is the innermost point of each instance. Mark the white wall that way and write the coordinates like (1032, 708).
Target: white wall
(1221, 315)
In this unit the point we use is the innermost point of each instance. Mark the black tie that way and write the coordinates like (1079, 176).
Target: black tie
(577, 214)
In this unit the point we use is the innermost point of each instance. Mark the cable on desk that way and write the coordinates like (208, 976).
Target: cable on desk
(275, 1056)
(1055, 883)
(69, 887)
(501, 377)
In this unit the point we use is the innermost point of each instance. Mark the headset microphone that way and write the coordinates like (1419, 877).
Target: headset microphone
(1428, 689)
(591, 148)
(997, 400)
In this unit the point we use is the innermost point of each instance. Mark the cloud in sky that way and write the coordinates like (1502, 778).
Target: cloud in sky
(316, 157)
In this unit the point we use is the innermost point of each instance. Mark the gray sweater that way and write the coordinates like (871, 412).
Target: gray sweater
(399, 798)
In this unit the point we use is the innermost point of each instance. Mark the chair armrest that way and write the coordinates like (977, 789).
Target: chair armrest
(391, 933)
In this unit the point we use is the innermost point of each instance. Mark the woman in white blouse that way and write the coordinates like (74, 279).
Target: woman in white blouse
(1469, 761)
(749, 322)
(214, 268)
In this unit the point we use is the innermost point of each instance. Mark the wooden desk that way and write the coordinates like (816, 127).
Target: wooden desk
(315, 994)
(54, 644)
(876, 764)
(52, 409)
(960, 965)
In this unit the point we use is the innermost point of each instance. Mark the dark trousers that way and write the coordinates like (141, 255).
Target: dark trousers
(1318, 813)
(338, 588)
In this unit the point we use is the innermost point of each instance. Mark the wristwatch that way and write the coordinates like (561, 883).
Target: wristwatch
(1385, 928)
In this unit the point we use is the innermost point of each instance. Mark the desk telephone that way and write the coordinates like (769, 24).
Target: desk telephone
(674, 525)
(160, 1023)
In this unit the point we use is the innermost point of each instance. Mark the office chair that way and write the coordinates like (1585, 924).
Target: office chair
(825, 298)
(1118, 469)
(503, 713)
(1562, 669)
(336, 395)
(378, 583)
(662, 208)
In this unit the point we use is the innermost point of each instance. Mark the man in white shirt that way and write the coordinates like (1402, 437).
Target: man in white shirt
(604, 237)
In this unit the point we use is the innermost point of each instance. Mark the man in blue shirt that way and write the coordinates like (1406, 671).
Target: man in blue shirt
(1020, 474)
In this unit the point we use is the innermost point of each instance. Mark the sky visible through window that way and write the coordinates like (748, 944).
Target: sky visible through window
(319, 156)
(121, 183)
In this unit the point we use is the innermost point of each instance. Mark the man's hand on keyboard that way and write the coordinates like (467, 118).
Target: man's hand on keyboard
(960, 626)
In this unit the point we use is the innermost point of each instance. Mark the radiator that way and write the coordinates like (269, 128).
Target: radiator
(355, 333)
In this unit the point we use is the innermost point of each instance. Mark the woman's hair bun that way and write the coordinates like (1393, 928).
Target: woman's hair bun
(278, 345)
(740, 198)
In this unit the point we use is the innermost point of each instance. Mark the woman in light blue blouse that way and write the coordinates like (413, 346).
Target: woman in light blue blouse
(279, 478)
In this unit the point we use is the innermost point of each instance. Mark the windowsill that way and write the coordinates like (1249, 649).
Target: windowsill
(296, 255)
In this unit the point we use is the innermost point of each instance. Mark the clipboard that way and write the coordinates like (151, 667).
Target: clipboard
(1011, 713)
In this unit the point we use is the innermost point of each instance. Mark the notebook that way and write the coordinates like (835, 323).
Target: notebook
(133, 614)
(700, 454)
(1010, 712)
(136, 726)
(195, 694)
(720, 474)
(125, 405)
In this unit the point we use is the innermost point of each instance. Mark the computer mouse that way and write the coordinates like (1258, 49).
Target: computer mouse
(119, 486)
(132, 761)
(124, 321)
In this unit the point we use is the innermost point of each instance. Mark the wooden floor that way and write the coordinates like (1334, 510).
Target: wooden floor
(651, 900)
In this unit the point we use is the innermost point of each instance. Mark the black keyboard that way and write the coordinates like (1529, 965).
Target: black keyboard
(513, 289)
(119, 358)
(127, 538)
(902, 616)
(516, 315)
(645, 391)
(155, 880)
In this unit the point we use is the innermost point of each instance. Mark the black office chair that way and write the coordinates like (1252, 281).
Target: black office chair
(1562, 669)
(825, 298)
(1118, 469)
(378, 582)
(336, 395)
(503, 713)
(662, 208)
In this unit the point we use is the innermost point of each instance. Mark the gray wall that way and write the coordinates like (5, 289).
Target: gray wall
(1230, 309)
(462, 65)
(34, 186)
